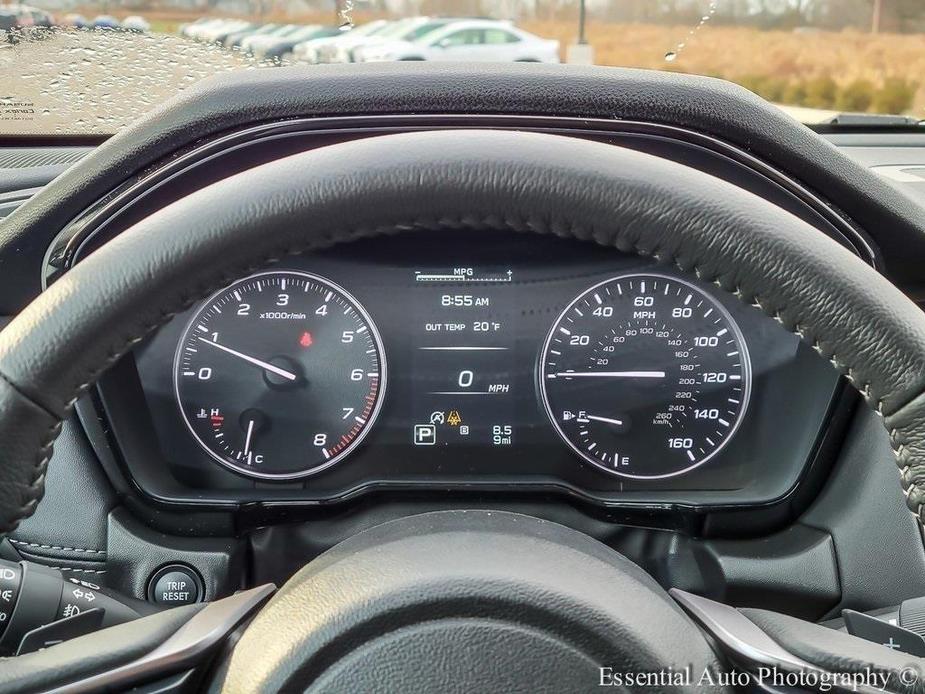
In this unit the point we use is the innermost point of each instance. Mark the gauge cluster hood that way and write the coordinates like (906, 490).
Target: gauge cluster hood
(229, 101)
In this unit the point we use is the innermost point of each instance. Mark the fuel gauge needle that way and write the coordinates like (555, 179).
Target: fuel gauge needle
(595, 418)
(266, 366)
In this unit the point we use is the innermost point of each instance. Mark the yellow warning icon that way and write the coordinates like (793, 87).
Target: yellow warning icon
(453, 419)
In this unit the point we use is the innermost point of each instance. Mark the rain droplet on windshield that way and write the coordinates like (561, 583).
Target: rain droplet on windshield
(99, 81)
(672, 55)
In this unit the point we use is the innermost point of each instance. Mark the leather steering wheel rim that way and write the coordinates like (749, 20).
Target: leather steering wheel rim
(59, 346)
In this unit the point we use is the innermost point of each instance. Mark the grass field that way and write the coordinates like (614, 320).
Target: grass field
(847, 70)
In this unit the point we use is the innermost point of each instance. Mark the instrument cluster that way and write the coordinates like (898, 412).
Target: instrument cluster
(485, 361)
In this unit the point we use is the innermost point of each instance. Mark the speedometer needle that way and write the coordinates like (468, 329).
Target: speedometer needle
(252, 360)
(609, 374)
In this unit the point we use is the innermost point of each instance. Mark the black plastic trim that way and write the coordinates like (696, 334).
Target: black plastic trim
(67, 246)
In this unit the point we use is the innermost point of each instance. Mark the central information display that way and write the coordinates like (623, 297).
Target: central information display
(464, 331)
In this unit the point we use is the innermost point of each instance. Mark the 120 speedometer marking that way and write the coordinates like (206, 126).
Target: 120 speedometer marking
(280, 375)
(645, 376)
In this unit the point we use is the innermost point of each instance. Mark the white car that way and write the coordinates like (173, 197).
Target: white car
(198, 29)
(467, 41)
(273, 46)
(136, 23)
(190, 29)
(403, 30)
(311, 51)
(342, 51)
(249, 43)
(211, 33)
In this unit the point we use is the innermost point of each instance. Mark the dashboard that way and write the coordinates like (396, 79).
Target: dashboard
(793, 508)
(470, 361)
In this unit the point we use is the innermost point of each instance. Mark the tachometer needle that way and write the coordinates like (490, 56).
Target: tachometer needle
(606, 420)
(252, 360)
(247, 439)
(608, 374)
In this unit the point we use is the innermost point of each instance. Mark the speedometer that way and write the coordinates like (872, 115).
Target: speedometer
(280, 375)
(645, 375)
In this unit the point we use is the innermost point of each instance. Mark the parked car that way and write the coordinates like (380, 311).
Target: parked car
(189, 30)
(217, 32)
(40, 18)
(9, 23)
(222, 34)
(199, 31)
(281, 48)
(106, 21)
(233, 40)
(23, 20)
(467, 40)
(78, 21)
(137, 24)
(252, 41)
(402, 30)
(311, 51)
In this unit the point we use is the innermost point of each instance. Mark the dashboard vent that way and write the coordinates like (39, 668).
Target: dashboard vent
(29, 157)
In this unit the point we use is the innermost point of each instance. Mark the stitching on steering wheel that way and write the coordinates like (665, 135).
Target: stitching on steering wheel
(485, 222)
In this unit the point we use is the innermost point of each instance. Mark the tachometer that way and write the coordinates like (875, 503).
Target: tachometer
(280, 375)
(645, 376)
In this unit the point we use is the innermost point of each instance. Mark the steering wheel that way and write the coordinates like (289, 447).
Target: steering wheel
(477, 600)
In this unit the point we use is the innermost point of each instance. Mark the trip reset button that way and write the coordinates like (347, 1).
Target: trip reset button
(175, 585)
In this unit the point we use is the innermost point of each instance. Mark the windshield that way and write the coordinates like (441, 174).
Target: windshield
(94, 68)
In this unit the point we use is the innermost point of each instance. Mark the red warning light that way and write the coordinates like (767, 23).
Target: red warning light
(306, 339)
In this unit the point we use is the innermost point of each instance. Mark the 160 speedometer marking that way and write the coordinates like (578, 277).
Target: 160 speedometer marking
(645, 376)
